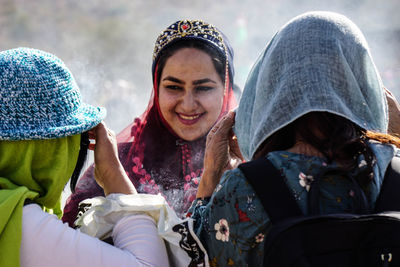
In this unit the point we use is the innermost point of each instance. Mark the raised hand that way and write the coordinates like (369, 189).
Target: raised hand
(222, 153)
(109, 173)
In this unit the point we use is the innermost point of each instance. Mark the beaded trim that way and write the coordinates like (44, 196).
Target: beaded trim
(193, 29)
(189, 28)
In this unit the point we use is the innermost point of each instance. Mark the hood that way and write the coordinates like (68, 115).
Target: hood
(318, 61)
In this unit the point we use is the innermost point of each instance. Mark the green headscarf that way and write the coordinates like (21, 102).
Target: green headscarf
(36, 170)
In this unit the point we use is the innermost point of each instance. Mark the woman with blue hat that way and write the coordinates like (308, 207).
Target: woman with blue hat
(162, 150)
(314, 106)
(44, 137)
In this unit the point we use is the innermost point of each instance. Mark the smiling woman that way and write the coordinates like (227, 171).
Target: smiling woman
(191, 93)
(163, 150)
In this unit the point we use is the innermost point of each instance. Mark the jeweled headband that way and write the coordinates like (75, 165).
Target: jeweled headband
(198, 30)
(195, 29)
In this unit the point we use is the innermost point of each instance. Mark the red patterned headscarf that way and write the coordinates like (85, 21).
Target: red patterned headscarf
(155, 158)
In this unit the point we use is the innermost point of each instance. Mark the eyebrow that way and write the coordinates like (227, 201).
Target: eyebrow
(203, 81)
(196, 82)
(173, 79)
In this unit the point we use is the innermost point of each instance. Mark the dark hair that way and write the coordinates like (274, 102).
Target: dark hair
(217, 58)
(334, 136)
(81, 160)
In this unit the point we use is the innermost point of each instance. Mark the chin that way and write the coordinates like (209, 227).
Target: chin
(191, 137)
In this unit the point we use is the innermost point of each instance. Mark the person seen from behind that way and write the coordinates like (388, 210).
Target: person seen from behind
(315, 107)
(44, 137)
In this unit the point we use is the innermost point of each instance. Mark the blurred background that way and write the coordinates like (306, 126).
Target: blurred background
(108, 45)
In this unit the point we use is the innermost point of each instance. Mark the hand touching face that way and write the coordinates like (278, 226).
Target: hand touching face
(222, 153)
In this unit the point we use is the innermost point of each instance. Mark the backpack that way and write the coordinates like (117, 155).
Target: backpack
(327, 240)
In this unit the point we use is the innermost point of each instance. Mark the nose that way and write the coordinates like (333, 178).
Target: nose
(189, 102)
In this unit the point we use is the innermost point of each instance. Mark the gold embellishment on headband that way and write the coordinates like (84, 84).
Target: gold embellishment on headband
(196, 29)
(186, 29)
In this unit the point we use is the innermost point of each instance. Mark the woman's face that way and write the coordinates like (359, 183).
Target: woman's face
(190, 93)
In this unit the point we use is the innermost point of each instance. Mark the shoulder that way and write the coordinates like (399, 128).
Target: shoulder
(383, 155)
(38, 228)
(34, 218)
(34, 213)
(234, 191)
(232, 180)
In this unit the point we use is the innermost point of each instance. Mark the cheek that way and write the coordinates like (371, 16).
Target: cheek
(213, 104)
(166, 103)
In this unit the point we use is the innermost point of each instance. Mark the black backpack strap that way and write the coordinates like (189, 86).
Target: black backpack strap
(360, 203)
(270, 187)
(389, 196)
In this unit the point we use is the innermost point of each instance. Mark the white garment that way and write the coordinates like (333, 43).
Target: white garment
(46, 241)
(183, 246)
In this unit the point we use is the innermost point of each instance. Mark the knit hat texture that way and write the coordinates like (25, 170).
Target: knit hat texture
(39, 98)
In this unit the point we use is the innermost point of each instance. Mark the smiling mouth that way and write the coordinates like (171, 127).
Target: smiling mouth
(185, 117)
(189, 119)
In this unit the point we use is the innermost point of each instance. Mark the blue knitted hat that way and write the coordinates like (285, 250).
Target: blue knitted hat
(39, 98)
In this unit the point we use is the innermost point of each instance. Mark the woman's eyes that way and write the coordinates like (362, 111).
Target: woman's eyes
(173, 87)
(204, 88)
(197, 88)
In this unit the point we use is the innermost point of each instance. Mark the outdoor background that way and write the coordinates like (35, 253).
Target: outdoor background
(108, 45)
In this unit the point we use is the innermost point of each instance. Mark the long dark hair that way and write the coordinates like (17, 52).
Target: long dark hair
(334, 136)
(81, 160)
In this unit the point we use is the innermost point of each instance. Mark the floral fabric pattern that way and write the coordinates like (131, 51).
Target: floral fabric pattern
(178, 199)
(178, 184)
(222, 229)
(232, 224)
(305, 181)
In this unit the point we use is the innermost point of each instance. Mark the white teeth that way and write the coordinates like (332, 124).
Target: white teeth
(189, 117)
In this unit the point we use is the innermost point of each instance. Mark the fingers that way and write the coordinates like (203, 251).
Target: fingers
(234, 147)
(387, 91)
(223, 126)
(100, 134)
